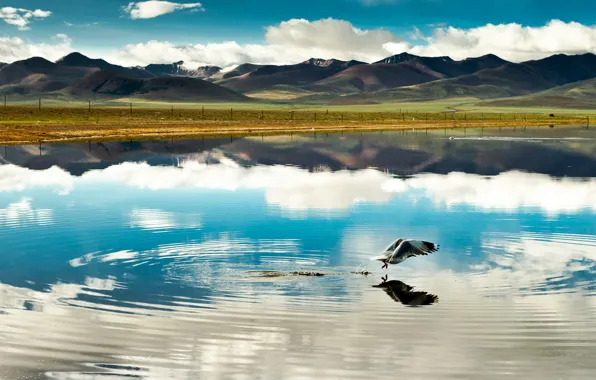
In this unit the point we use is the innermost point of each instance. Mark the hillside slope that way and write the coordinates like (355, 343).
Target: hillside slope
(402, 70)
(298, 75)
(112, 84)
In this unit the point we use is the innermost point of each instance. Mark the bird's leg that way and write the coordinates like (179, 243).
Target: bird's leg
(385, 278)
(385, 265)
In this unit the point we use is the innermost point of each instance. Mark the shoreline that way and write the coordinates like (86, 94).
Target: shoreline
(20, 134)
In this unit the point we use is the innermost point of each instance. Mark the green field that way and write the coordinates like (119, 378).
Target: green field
(457, 105)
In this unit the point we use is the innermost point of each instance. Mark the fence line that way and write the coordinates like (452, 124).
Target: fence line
(242, 114)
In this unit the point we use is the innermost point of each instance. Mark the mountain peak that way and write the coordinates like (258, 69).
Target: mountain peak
(73, 55)
(321, 62)
(331, 63)
(398, 58)
(77, 59)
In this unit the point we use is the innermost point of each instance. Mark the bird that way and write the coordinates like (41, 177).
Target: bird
(402, 249)
(404, 293)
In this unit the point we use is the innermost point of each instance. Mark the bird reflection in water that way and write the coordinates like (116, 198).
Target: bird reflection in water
(404, 293)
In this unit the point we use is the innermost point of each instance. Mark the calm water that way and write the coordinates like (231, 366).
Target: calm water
(145, 259)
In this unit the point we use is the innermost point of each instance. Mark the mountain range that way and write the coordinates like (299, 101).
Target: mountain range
(567, 80)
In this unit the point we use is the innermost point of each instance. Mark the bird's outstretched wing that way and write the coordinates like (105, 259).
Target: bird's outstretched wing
(409, 248)
(386, 255)
(394, 245)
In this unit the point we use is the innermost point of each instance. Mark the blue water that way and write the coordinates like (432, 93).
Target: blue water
(145, 259)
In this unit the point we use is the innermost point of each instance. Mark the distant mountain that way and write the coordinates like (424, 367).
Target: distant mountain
(241, 70)
(111, 83)
(559, 79)
(510, 79)
(208, 71)
(80, 60)
(177, 69)
(402, 70)
(37, 75)
(299, 74)
(373, 77)
(398, 58)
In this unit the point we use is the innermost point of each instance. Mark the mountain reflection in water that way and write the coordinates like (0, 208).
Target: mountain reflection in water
(250, 258)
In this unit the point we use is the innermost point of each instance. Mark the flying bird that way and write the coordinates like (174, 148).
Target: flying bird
(402, 249)
(404, 293)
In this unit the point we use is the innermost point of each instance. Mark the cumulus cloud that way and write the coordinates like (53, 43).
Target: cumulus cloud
(289, 42)
(513, 41)
(153, 8)
(296, 40)
(20, 17)
(330, 35)
(15, 48)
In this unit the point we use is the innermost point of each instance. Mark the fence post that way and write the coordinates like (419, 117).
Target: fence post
(315, 116)
(4, 101)
(231, 116)
(203, 112)
(40, 103)
(131, 108)
(90, 106)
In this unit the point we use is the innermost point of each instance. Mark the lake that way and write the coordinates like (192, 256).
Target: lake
(246, 258)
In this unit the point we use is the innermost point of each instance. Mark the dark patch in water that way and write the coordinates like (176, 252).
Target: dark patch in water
(404, 293)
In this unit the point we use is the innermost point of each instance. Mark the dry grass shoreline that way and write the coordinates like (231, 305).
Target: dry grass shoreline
(23, 125)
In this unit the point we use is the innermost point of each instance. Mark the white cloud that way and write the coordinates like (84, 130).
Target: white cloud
(15, 48)
(513, 42)
(22, 17)
(153, 8)
(335, 36)
(296, 40)
(289, 42)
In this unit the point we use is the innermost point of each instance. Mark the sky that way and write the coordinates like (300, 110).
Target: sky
(230, 32)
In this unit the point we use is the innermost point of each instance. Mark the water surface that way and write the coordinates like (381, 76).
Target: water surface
(178, 259)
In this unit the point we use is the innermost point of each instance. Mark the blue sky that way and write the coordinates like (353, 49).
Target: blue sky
(104, 27)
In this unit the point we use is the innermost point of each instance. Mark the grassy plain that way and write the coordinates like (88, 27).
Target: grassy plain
(147, 120)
